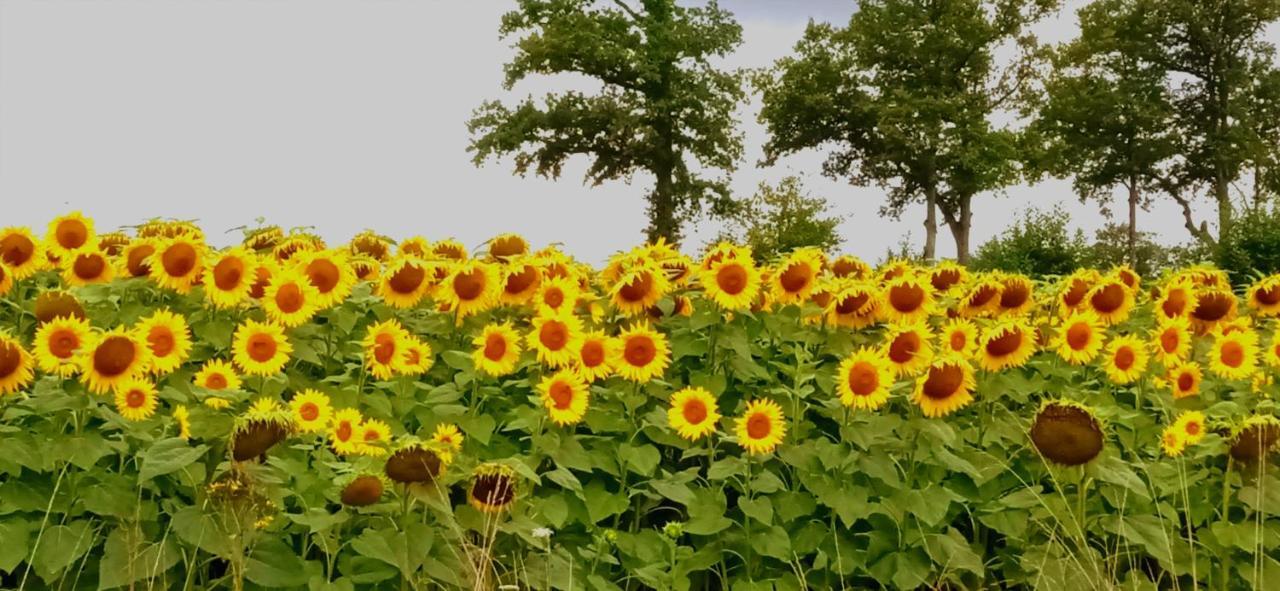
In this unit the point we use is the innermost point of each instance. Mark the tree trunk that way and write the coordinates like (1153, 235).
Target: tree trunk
(662, 207)
(959, 222)
(1134, 195)
(930, 223)
(1221, 193)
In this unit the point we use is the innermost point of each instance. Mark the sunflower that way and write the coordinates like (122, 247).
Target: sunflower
(1234, 355)
(363, 490)
(366, 269)
(114, 357)
(1080, 338)
(1006, 344)
(374, 436)
(523, 279)
(1177, 300)
(506, 246)
(370, 244)
(593, 360)
(414, 246)
(182, 417)
(946, 276)
(732, 283)
(639, 289)
(228, 280)
(472, 287)
(21, 252)
(384, 345)
(330, 273)
(1264, 296)
(1172, 340)
(6, 279)
(177, 263)
(417, 358)
(1111, 300)
(693, 413)
(959, 336)
(259, 429)
(556, 295)
(289, 299)
(1254, 437)
(1172, 441)
(1126, 359)
(855, 304)
(761, 427)
(15, 365)
(86, 266)
(59, 343)
(906, 299)
(1213, 306)
(266, 269)
(1184, 379)
(450, 250)
(1017, 295)
(795, 277)
(493, 488)
(260, 348)
(497, 350)
(168, 338)
(311, 411)
(52, 304)
(849, 266)
(136, 399)
(981, 298)
(907, 348)
(945, 387)
(565, 396)
(342, 432)
(640, 353)
(414, 462)
(217, 375)
(555, 337)
(68, 233)
(893, 269)
(1191, 425)
(450, 439)
(864, 379)
(1066, 433)
(405, 282)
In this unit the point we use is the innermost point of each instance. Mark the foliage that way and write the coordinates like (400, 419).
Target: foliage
(782, 218)
(663, 107)
(1110, 248)
(1039, 244)
(1253, 247)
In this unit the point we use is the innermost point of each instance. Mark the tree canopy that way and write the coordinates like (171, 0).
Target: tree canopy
(781, 218)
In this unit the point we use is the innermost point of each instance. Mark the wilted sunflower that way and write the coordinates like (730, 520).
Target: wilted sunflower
(59, 343)
(640, 353)
(177, 263)
(639, 289)
(449, 438)
(1254, 437)
(906, 299)
(556, 295)
(311, 411)
(228, 280)
(856, 304)
(136, 399)
(68, 233)
(1184, 379)
(555, 338)
(217, 374)
(693, 413)
(343, 434)
(289, 299)
(384, 349)
(260, 348)
(472, 287)
(1006, 344)
(374, 436)
(908, 348)
(959, 336)
(760, 428)
(1264, 296)
(414, 462)
(417, 357)
(1080, 337)
(1111, 300)
(362, 490)
(405, 282)
(1126, 359)
(864, 379)
(945, 387)
(1234, 355)
(86, 266)
(1017, 295)
(1172, 341)
(21, 252)
(15, 365)
(330, 272)
(259, 429)
(523, 278)
(1066, 433)
(168, 338)
(565, 396)
(114, 357)
(497, 350)
(493, 487)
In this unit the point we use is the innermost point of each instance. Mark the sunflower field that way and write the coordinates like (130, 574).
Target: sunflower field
(288, 414)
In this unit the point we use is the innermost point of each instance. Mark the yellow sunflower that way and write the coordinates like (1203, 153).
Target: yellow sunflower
(1234, 356)
(1080, 338)
(640, 353)
(506, 246)
(260, 348)
(907, 348)
(289, 299)
(1213, 306)
(1009, 343)
(1126, 359)
(330, 273)
(114, 357)
(449, 438)
(405, 282)
(905, 299)
(1017, 295)
(1172, 441)
(497, 350)
(384, 345)
(228, 280)
(182, 417)
(980, 298)
(594, 361)
(639, 289)
(693, 413)
(1271, 355)
(343, 434)
(136, 399)
(59, 344)
(945, 387)
(472, 287)
(856, 304)
(1184, 379)
(556, 295)
(177, 263)
(796, 276)
(21, 252)
(555, 337)
(1111, 300)
(1177, 300)
(86, 266)
(417, 358)
(68, 233)
(523, 279)
(449, 249)
(959, 336)
(216, 375)
(761, 427)
(1191, 425)
(168, 338)
(15, 366)
(374, 437)
(565, 396)
(311, 411)
(849, 266)
(1172, 340)
(733, 284)
(414, 246)
(864, 379)
(1264, 296)
(136, 260)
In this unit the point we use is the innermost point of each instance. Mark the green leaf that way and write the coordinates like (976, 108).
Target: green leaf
(127, 559)
(477, 426)
(16, 533)
(641, 459)
(60, 546)
(706, 513)
(403, 550)
(275, 564)
(168, 455)
(758, 509)
(601, 503)
(773, 542)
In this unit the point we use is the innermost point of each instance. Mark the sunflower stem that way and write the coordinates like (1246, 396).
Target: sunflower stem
(1224, 565)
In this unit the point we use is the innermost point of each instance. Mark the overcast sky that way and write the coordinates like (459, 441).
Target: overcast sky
(344, 115)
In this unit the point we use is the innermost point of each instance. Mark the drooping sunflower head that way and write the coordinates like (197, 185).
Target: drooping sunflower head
(847, 266)
(1255, 437)
(1075, 289)
(52, 304)
(114, 357)
(493, 487)
(1213, 306)
(946, 276)
(414, 462)
(1017, 295)
(217, 375)
(723, 251)
(497, 349)
(330, 273)
(177, 263)
(565, 396)
(20, 252)
(507, 246)
(908, 348)
(1126, 359)
(555, 338)
(259, 429)
(296, 243)
(1008, 343)
(311, 411)
(856, 304)
(263, 238)
(732, 283)
(1111, 300)
(384, 346)
(1264, 296)
(693, 413)
(864, 379)
(136, 399)
(641, 353)
(1080, 337)
(230, 277)
(945, 387)
(371, 244)
(981, 297)
(449, 250)
(15, 365)
(761, 427)
(1066, 433)
(168, 338)
(260, 348)
(362, 490)
(68, 233)
(86, 266)
(416, 247)
(594, 360)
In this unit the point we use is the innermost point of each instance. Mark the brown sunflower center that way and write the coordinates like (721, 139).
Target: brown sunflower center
(561, 395)
(309, 411)
(732, 278)
(796, 278)
(958, 341)
(10, 359)
(638, 288)
(1232, 354)
(759, 426)
(1193, 428)
(384, 348)
(1213, 306)
(89, 266)
(1108, 299)
(982, 295)
(1169, 340)
(470, 285)
(114, 356)
(71, 234)
(593, 353)
(1014, 295)
(906, 298)
(16, 249)
(1268, 296)
(135, 398)
(553, 298)
(507, 246)
(863, 378)
(1124, 358)
(64, 343)
(639, 350)
(228, 273)
(289, 298)
(1186, 381)
(943, 381)
(262, 347)
(495, 347)
(553, 335)
(1175, 303)
(1079, 335)
(1005, 344)
(518, 283)
(852, 304)
(407, 279)
(161, 341)
(904, 347)
(493, 490)
(324, 274)
(344, 431)
(694, 411)
(943, 279)
(179, 259)
(215, 381)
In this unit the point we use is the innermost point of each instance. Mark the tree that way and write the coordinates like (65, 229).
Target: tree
(904, 98)
(661, 102)
(1104, 116)
(779, 219)
(1115, 245)
(1038, 245)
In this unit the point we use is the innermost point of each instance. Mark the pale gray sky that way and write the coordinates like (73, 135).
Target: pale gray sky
(347, 114)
